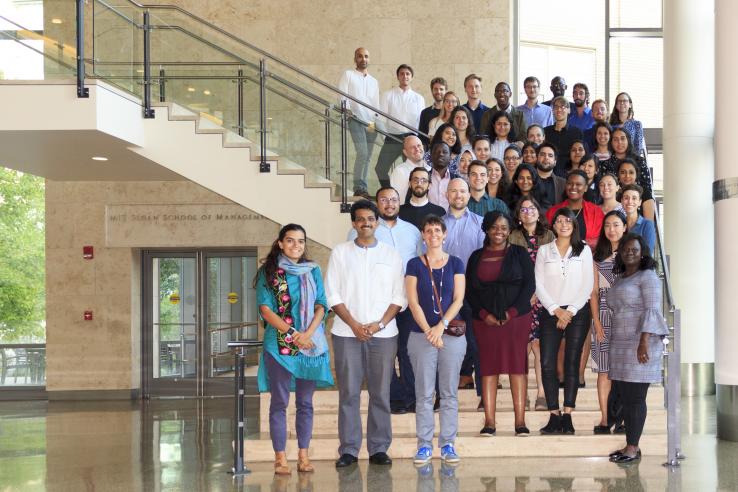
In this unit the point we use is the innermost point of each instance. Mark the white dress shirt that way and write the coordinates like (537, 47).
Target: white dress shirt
(364, 88)
(402, 105)
(400, 177)
(366, 281)
(566, 281)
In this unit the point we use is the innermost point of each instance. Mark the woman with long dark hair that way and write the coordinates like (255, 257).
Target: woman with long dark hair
(621, 147)
(635, 338)
(446, 133)
(532, 232)
(502, 134)
(498, 185)
(530, 153)
(524, 184)
(461, 119)
(613, 229)
(499, 285)
(292, 304)
(564, 280)
(623, 117)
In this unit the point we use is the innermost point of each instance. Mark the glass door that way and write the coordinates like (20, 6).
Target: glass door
(194, 303)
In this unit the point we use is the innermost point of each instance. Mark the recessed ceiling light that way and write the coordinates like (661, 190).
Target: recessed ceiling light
(190, 89)
(206, 92)
(99, 158)
(56, 21)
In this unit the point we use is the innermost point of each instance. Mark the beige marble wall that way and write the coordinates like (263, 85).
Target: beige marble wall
(104, 354)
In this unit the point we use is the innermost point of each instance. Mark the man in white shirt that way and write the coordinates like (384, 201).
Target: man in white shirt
(412, 149)
(405, 105)
(365, 288)
(359, 84)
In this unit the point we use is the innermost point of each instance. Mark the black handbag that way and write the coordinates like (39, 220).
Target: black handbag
(456, 327)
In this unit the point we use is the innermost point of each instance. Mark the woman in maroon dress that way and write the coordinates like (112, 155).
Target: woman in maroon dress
(500, 281)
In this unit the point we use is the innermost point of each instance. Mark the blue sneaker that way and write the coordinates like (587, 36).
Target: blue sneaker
(448, 454)
(423, 455)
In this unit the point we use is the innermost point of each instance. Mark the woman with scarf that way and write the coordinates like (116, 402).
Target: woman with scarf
(292, 304)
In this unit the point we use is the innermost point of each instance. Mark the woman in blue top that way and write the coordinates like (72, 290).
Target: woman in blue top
(431, 351)
(292, 303)
(631, 197)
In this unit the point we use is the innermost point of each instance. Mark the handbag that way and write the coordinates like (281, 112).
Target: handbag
(456, 327)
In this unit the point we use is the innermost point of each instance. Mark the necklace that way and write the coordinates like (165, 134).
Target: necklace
(440, 292)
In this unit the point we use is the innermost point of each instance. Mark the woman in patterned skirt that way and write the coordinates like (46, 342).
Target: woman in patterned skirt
(531, 233)
(612, 232)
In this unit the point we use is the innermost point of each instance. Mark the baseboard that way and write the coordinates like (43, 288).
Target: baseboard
(80, 395)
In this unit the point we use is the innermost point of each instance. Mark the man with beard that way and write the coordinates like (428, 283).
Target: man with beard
(502, 95)
(581, 117)
(479, 201)
(552, 187)
(464, 236)
(438, 89)
(365, 287)
(412, 149)
(405, 238)
(358, 83)
(561, 134)
(440, 175)
(418, 207)
(599, 114)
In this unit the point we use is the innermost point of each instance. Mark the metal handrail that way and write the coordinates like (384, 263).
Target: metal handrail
(273, 58)
(664, 262)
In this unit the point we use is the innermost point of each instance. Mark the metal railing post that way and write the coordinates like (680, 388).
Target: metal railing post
(239, 101)
(327, 143)
(238, 465)
(82, 91)
(673, 394)
(148, 112)
(345, 208)
(162, 86)
(264, 166)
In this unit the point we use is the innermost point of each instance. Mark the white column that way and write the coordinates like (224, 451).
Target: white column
(726, 220)
(689, 101)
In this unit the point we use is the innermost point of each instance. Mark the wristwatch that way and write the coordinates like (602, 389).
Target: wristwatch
(445, 322)
(381, 326)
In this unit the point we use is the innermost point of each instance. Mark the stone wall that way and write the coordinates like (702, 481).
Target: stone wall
(104, 354)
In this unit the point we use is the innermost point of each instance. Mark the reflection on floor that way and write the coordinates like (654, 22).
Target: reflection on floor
(186, 445)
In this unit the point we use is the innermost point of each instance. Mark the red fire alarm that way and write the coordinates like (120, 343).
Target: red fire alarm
(87, 252)
(88, 315)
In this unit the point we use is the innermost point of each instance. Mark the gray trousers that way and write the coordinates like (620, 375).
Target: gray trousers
(355, 361)
(427, 361)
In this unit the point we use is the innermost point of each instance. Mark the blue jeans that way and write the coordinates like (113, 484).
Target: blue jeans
(363, 144)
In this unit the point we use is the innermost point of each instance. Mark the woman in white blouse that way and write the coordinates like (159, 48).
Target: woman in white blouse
(564, 282)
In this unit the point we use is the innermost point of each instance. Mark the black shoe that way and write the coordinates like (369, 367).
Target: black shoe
(553, 426)
(487, 431)
(624, 458)
(437, 404)
(380, 459)
(561, 384)
(346, 460)
(601, 429)
(480, 407)
(410, 408)
(615, 453)
(567, 426)
(398, 410)
(522, 431)
(582, 384)
(619, 429)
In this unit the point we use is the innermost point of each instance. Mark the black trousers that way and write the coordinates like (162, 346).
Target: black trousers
(574, 334)
(633, 396)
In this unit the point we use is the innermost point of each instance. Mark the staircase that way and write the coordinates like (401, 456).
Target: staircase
(469, 443)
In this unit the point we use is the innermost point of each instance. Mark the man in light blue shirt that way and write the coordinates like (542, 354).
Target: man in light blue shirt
(464, 235)
(405, 238)
(533, 111)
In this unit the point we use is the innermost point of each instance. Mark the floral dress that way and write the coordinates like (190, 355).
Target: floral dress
(600, 350)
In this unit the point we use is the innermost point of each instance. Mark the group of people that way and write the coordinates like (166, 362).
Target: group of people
(506, 231)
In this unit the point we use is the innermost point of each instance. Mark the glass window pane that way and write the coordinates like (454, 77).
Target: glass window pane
(636, 67)
(635, 13)
(549, 47)
(656, 163)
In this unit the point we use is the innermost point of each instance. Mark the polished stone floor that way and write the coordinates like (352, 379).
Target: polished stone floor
(185, 445)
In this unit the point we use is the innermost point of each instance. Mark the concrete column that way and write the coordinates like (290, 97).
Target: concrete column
(689, 102)
(725, 197)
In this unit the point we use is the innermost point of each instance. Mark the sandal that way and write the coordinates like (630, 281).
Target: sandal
(280, 465)
(303, 463)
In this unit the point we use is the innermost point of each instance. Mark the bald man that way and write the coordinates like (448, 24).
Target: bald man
(412, 149)
(359, 84)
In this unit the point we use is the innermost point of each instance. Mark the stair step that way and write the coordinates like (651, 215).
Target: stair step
(205, 124)
(468, 445)
(472, 421)
(234, 140)
(180, 113)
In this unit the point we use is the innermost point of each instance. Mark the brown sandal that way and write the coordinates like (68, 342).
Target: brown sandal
(304, 466)
(280, 465)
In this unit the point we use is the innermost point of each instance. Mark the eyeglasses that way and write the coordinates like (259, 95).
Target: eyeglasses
(563, 221)
(419, 181)
(511, 158)
(385, 200)
(528, 210)
(559, 106)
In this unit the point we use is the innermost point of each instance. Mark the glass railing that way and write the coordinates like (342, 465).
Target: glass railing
(22, 364)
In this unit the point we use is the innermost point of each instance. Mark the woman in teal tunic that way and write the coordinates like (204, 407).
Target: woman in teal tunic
(292, 303)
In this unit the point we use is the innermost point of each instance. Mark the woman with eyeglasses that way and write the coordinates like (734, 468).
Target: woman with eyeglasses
(512, 158)
(564, 280)
(531, 232)
(499, 285)
(450, 101)
(623, 117)
(613, 229)
(638, 326)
